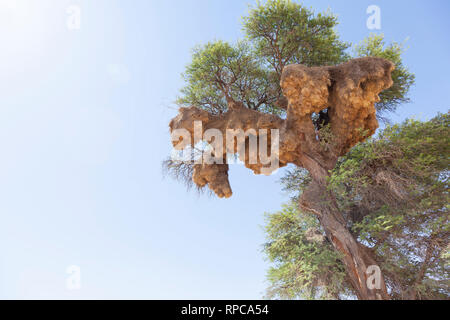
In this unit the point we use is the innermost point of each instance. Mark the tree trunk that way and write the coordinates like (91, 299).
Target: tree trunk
(320, 201)
(353, 257)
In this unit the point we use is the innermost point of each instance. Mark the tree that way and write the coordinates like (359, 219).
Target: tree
(393, 193)
(293, 76)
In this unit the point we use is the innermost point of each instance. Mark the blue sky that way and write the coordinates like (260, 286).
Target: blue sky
(83, 131)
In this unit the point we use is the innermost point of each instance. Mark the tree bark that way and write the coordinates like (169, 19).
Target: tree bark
(320, 201)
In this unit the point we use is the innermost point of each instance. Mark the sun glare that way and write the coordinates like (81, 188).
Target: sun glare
(24, 30)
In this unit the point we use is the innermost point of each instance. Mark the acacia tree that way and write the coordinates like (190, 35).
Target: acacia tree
(293, 74)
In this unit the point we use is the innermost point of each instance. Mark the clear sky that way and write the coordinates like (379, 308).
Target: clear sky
(83, 131)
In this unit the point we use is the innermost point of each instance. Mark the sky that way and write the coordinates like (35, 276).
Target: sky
(84, 113)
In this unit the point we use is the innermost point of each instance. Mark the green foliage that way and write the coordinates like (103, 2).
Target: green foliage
(305, 265)
(278, 33)
(295, 180)
(375, 46)
(393, 191)
(285, 32)
(405, 160)
(219, 69)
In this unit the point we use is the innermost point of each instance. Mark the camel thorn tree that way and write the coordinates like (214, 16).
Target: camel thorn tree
(293, 75)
